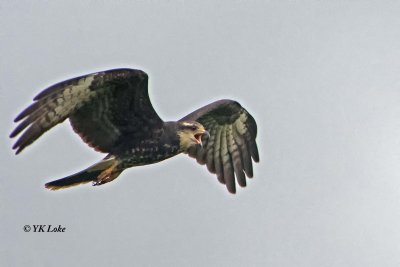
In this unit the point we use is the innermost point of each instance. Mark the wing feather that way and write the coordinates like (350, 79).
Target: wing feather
(232, 146)
(219, 169)
(102, 108)
(247, 165)
(236, 159)
(207, 153)
(227, 162)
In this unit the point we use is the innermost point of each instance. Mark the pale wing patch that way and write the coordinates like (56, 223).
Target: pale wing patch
(51, 109)
(240, 124)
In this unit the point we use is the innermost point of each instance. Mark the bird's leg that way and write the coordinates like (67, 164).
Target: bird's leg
(108, 175)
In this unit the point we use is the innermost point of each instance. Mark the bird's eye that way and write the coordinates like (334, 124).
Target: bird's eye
(194, 128)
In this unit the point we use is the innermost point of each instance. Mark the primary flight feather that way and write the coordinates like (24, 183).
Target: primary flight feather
(111, 111)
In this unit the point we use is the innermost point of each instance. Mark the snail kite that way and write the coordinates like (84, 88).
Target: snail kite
(111, 111)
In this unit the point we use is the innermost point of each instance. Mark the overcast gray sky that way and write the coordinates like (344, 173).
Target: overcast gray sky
(321, 78)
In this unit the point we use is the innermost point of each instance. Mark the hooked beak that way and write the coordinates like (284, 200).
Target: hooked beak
(200, 136)
(205, 134)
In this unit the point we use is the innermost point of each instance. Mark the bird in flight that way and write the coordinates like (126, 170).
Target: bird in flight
(111, 111)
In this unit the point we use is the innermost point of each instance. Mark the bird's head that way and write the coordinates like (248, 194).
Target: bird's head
(190, 134)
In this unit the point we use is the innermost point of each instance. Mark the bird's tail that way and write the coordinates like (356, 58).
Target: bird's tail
(100, 173)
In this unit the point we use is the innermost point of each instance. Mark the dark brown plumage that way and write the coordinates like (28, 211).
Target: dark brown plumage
(111, 111)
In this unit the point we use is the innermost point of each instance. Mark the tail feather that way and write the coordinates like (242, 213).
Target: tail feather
(88, 175)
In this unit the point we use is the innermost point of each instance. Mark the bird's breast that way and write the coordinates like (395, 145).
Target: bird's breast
(146, 153)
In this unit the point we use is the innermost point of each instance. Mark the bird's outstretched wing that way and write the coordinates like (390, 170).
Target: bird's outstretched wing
(103, 108)
(231, 145)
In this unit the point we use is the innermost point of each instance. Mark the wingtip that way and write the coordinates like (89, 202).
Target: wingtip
(13, 134)
(255, 155)
(231, 189)
(17, 148)
(233, 192)
(18, 118)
